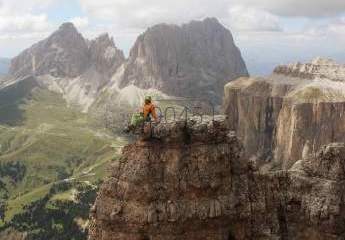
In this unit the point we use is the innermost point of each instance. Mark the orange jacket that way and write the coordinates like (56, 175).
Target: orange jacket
(150, 109)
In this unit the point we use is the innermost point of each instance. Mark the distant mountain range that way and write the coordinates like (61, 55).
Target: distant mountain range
(193, 60)
(4, 65)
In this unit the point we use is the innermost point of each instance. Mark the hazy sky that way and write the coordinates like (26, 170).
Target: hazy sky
(268, 32)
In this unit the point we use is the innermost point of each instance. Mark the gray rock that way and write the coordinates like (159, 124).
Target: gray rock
(104, 55)
(63, 54)
(67, 63)
(192, 60)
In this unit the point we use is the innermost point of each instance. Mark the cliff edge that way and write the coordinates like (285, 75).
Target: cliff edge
(193, 181)
(293, 112)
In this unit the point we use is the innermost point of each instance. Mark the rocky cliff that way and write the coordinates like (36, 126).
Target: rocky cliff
(104, 55)
(291, 113)
(194, 182)
(194, 60)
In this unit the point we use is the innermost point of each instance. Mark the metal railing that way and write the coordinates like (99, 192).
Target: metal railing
(183, 109)
(169, 110)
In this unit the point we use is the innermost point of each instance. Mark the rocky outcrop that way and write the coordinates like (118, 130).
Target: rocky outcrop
(166, 189)
(192, 181)
(299, 108)
(194, 60)
(319, 67)
(105, 56)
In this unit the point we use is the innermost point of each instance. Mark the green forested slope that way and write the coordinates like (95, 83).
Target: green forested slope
(43, 145)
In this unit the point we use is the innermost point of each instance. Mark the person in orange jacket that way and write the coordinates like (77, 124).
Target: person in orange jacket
(149, 110)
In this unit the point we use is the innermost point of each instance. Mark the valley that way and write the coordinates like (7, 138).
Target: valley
(51, 145)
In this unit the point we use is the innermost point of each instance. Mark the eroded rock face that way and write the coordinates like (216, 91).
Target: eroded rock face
(319, 67)
(67, 54)
(166, 188)
(105, 55)
(194, 60)
(194, 182)
(63, 54)
(299, 108)
(67, 63)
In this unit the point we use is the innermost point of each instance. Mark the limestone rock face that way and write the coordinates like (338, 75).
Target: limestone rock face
(166, 188)
(104, 54)
(299, 107)
(67, 63)
(63, 54)
(319, 67)
(194, 182)
(194, 60)
(67, 54)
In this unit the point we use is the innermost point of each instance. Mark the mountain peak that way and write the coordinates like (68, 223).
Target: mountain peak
(104, 36)
(68, 32)
(323, 61)
(104, 39)
(68, 26)
(195, 59)
(210, 20)
(63, 54)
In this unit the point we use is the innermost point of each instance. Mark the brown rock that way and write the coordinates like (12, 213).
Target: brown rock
(168, 187)
(299, 107)
(172, 187)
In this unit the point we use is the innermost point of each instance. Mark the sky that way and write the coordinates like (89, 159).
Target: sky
(268, 32)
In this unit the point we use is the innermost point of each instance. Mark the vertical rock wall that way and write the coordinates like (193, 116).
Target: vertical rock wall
(298, 109)
(194, 182)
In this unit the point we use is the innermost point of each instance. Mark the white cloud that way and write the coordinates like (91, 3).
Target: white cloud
(303, 8)
(251, 19)
(139, 13)
(23, 23)
(80, 22)
(142, 14)
(17, 18)
(334, 29)
(24, 6)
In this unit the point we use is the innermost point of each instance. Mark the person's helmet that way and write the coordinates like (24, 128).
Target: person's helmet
(148, 98)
